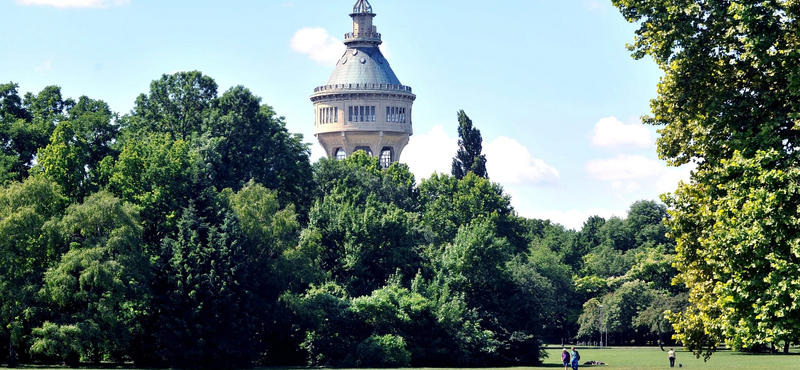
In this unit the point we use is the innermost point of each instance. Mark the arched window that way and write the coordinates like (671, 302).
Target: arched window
(366, 149)
(340, 154)
(387, 157)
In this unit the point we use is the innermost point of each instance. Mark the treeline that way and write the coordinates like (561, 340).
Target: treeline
(195, 232)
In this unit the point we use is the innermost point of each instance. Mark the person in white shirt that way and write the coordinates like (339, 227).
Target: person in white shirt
(671, 355)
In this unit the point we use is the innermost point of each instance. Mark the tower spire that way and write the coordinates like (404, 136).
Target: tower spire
(362, 7)
(364, 33)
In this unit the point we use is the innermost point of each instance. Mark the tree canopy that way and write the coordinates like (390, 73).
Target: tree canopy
(728, 102)
(194, 232)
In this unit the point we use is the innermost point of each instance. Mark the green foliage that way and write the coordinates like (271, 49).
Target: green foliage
(448, 204)
(25, 251)
(161, 177)
(469, 157)
(728, 101)
(227, 132)
(26, 125)
(736, 253)
(617, 311)
(176, 105)
(244, 131)
(98, 287)
(60, 341)
(361, 245)
(193, 232)
(383, 351)
(205, 318)
(361, 175)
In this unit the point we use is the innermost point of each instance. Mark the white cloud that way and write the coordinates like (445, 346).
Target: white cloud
(429, 153)
(594, 6)
(630, 174)
(318, 45)
(671, 176)
(76, 3)
(45, 66)
(387, 53)
(624, 167)
(610, 132)
(508, 162)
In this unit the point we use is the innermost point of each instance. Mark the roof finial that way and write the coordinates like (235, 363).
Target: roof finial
(362, 7)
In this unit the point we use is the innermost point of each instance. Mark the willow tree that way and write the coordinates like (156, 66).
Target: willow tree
(729, 102)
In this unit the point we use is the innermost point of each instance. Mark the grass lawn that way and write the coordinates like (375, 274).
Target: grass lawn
(644, 358)
(654, 358)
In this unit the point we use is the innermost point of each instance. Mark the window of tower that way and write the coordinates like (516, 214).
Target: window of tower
(336, 114)
(366, 149)
(372, 114)
(340, 154)
(362, 116)
(350, 115)
(387, 157)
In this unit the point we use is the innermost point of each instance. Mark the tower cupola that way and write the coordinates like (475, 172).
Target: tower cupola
(363, 106)
(364, 32)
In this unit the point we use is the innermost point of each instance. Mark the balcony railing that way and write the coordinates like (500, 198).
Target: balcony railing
(382, 87)
(362, 35)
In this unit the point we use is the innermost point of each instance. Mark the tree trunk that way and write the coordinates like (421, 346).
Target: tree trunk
(786, 347)
(12, 357)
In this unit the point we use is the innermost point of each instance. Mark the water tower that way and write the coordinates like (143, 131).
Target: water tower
(363, 106)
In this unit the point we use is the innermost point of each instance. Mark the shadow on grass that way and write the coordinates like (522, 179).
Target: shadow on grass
(790, 354)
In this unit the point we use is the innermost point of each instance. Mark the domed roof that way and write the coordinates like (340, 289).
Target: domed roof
(363, 65)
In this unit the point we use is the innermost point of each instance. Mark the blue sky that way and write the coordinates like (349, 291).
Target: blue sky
(549, 83)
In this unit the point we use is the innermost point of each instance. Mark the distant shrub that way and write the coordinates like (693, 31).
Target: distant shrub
(383, 351)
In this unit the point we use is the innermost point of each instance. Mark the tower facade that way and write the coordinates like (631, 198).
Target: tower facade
(363, 106)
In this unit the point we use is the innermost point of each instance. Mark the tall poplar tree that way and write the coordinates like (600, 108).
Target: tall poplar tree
(470, 145)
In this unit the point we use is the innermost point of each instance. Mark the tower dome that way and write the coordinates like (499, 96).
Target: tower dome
(363, 106)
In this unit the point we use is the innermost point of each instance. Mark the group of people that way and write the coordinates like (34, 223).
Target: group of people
(571, 359)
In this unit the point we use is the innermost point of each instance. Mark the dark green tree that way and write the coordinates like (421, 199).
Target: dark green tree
(249, 141)
(77, 148)
(448, 204)
(176, 104)
(206, 317)
(469, 157)
(238, 139)
(26, 127)
(159, 175)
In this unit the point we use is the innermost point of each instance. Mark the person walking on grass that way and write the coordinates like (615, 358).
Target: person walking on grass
(575, 358)
(671, 355)
(565, 358)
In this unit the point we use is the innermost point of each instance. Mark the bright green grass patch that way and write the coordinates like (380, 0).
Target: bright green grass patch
(653, 358)
(647, 358)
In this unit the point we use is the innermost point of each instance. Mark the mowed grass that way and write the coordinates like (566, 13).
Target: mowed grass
(636, 358)
(653, 358)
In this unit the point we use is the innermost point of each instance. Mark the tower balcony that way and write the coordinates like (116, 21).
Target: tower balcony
(362, 87)
(362, 36)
